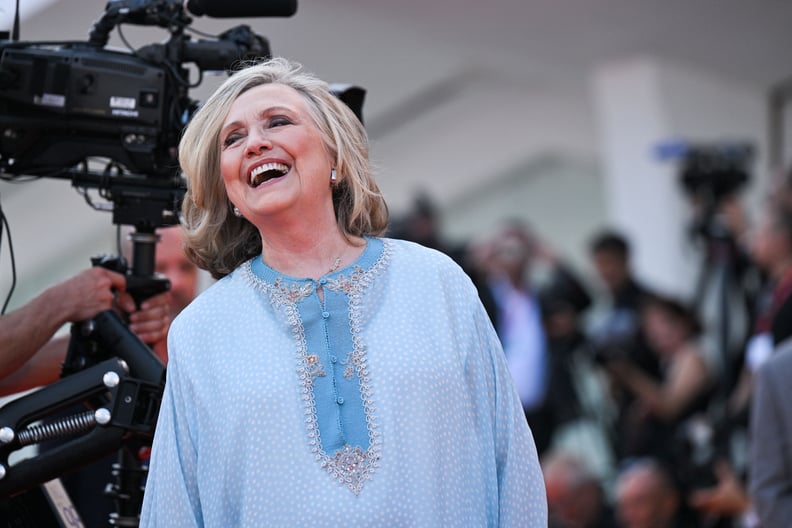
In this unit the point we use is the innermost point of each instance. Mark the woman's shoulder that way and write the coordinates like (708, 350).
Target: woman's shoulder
(421, 264)
(411, 253)
(220, 292)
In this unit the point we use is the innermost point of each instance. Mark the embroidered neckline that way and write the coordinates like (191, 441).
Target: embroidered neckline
(350, 466)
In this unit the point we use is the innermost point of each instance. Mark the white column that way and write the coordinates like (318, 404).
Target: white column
(642, 103)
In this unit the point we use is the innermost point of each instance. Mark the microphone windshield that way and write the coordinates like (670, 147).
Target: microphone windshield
(242, 8)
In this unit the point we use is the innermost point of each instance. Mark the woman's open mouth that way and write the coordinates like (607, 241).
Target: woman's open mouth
(266, 172)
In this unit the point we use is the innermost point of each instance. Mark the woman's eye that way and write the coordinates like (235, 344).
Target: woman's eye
(231, 139)
(279, 121)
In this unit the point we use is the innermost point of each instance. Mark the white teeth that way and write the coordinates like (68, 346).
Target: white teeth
(280, 168)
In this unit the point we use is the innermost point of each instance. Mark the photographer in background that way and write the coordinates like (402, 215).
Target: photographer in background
(660, 406)
(31, 357)
(611, 255)
(616, 333)
(515, 249)
(712, 178)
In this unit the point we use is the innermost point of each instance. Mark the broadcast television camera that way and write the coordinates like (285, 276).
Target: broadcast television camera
(110, 121)
(709, 174)
(63, 103)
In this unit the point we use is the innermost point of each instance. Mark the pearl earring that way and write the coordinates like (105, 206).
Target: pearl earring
(237, 213)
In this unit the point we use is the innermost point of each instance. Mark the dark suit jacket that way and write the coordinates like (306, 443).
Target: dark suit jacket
(770, 476)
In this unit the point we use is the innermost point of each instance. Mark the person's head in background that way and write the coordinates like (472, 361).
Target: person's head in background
(610, 253)
(646, 496)
(172, 261)
(575, 498)
(771, 243)
(422, 223)
(669, 324)
(563, 301)
(512, 250)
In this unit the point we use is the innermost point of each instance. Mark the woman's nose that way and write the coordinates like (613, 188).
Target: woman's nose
(257, 143)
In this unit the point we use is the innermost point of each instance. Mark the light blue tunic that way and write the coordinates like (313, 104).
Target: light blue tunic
(384, 402)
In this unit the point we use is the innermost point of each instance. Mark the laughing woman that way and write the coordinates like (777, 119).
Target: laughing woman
(331, 377)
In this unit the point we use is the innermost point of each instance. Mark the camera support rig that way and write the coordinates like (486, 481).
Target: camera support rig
(64, 107)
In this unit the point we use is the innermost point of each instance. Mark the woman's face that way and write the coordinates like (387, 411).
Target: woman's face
(664, 333)
(272, 156)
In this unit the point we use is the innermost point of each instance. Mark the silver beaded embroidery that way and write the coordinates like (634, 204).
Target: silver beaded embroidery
(349, 371)
(314, 366)
(350, 466)
(283, 294)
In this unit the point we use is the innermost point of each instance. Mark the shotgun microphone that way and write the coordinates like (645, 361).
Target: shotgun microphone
(242, 8)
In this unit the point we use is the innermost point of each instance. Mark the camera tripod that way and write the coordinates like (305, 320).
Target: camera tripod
(721, 281)
(119, 381)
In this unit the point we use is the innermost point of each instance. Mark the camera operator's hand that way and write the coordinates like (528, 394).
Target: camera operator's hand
(30, 357)
(152, 321)
(24, 331)
(98, 289)
(88, 293)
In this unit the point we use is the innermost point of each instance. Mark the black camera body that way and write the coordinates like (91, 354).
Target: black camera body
(60, 106)
(716, 171)
(709, 174)
(62, 103)
(111, 120)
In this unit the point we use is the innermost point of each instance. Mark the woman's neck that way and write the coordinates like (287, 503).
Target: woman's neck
(311, 253)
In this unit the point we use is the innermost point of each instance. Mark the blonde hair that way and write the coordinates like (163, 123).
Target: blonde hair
(217, 240)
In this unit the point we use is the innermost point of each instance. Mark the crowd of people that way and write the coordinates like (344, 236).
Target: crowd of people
(640, 418)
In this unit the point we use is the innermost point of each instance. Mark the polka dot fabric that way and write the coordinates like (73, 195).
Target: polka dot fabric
(232, 447)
